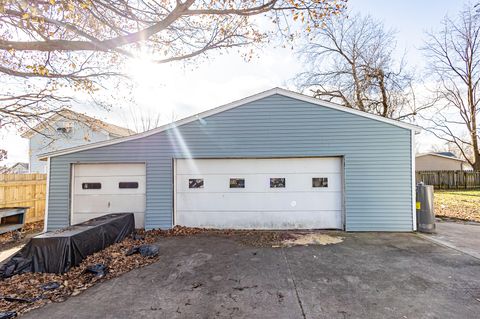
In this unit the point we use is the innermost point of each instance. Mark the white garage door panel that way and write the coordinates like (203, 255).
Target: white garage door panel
(109, 169)
(295, 165)
(298, 205)
(115, 203)
(91, 203)
(262, 220)
(291, 202)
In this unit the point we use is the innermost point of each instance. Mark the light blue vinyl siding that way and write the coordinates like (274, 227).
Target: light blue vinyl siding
(377, 158)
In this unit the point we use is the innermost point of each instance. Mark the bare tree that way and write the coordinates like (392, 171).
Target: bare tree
(453, 54)
(141, 120)
(351, 62)
(52, 46)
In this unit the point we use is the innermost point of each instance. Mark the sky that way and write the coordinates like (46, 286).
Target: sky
(176, 91)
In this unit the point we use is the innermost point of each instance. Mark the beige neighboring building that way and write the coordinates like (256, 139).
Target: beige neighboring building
(66, 129)
(442, 161)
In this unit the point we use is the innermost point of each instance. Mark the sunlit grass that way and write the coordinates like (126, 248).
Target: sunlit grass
(460, 204)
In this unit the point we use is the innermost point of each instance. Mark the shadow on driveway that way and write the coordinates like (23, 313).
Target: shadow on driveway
(368, 275)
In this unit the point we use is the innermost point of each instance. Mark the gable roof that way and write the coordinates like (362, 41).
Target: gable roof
(92, 122)
(449, 154)
(10, 169)
(232, 105)
(442, 154)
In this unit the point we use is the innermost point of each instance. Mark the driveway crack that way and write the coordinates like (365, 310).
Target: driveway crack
(294, 283)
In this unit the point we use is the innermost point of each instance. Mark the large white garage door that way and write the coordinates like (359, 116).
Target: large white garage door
(100, 189)
(290, 193)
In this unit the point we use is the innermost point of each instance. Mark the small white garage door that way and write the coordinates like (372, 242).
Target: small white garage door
(290, 193)
(100, 189)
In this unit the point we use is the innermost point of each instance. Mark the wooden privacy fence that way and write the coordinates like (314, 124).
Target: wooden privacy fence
(449, 179)
(27, 190)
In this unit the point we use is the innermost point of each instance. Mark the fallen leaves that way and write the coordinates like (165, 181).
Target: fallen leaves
(14, 238)
(31, 286)
(464, 205)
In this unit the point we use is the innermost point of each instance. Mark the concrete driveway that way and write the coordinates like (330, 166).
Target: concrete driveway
(462, 236)
(371, 275)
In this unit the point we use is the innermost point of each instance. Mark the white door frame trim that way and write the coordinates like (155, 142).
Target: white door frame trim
(47, 195)
(72, 190)
(174, 191)
(414, 193)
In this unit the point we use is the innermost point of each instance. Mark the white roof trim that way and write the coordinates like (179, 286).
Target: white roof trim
(443, 156)
(227, 107)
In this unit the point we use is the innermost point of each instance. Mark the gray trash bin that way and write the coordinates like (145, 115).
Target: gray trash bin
(425, 209)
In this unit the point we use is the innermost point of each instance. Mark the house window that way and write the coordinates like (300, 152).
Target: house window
(128, 185)
(237, 182)
(91, 185)
(320, 182)
(195, 183)
(277, 182)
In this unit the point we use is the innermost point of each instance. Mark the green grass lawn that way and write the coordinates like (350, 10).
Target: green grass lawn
(460, 204)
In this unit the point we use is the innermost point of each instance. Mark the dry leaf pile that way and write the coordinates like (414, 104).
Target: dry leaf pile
(24, 292)
(28, 287)
(30, 228)
(254, 238)
(14, 238)
(463, 205)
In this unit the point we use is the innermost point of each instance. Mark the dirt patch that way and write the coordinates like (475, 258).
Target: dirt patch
(257, 238)
(460, 205)
(254, 238)
(312, 239)
(262, 238)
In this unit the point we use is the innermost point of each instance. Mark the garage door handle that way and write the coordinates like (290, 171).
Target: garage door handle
(108, 204)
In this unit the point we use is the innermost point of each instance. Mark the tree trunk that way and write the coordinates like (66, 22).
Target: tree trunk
(383, 90)
(473, 117)
(476, 151)
(358, 92)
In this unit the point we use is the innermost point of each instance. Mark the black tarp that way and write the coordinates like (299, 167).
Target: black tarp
(58, 251)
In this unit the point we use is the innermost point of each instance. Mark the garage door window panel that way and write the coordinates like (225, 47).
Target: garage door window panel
(128, 185)
(320, 182)
(91, 185)
(237, 182)
(277, 182)
(195, 183)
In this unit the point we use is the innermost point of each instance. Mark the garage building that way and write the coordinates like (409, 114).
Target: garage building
(274, 160)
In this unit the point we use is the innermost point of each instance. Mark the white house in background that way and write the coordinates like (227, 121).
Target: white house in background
(17, 168)
(441, 161)
(67, 129)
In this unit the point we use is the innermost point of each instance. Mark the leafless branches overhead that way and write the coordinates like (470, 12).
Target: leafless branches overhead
(453, 54)
(78, 44)
(351, 61)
